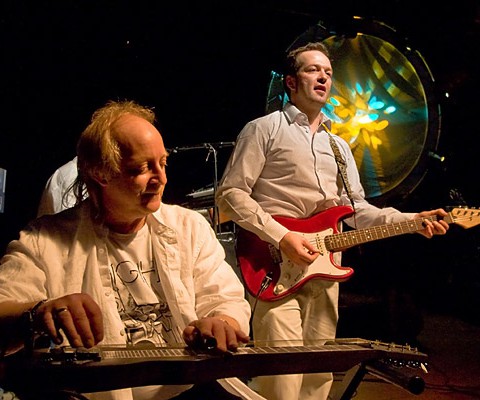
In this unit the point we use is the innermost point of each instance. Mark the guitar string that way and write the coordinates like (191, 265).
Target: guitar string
(378, 229)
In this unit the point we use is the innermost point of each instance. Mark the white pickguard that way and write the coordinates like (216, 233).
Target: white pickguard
(291, 274)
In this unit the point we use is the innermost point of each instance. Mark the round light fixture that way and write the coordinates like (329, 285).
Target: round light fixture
(382, 103)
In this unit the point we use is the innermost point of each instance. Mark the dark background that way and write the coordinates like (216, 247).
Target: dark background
(205, 67)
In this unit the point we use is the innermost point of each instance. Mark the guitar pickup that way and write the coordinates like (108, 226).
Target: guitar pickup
(275, 254)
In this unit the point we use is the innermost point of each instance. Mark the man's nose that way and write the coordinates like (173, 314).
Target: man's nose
(322, 78)
(162, 176)
(160, 172)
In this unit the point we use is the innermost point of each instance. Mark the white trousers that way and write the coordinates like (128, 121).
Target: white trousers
(311, 313)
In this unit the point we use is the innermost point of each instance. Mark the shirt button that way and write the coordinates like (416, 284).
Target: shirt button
(122, 332)
(101, 251)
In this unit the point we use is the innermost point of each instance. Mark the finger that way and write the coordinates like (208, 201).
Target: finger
(220, 331)
(307, 246)
(242, 337)
(234, 338)
(429, 230)
(64, 320)
(82, 332)
(440, 230)
(50, 327)
(189, 334)
(76, 325)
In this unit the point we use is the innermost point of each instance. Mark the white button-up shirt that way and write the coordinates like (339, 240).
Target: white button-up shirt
(278, 167)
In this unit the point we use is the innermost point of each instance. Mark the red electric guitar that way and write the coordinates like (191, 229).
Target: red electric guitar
(258, 259)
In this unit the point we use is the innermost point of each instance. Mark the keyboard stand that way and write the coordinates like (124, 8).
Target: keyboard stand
(399, 376)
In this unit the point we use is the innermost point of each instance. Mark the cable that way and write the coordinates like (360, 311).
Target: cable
(263, 286)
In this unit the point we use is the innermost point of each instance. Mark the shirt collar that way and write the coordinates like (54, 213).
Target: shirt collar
(293, 114)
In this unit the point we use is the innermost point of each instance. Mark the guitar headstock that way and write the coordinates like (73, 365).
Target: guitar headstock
(465, 217)
(399, 354)
(391, 352)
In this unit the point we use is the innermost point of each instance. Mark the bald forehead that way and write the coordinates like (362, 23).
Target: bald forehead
(132, 126)
(129, 122)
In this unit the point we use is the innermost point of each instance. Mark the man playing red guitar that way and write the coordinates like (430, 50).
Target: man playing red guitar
(284, 165)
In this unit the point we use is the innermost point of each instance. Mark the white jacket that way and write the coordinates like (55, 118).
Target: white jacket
(66, 253)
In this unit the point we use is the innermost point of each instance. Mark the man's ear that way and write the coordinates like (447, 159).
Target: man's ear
(291, 82)
(100, 178)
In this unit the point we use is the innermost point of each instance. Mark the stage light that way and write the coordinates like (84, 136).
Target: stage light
(382, 103)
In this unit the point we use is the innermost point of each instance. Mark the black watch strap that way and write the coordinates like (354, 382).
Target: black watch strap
(28, 327)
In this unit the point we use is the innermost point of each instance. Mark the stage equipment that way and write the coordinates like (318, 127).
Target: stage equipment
(382, 103)
(107, 368)
(203, 200)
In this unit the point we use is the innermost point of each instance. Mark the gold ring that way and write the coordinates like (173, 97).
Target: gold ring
(60, 310)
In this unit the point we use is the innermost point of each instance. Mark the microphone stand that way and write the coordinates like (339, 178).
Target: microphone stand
(216, 214)
(212, 149)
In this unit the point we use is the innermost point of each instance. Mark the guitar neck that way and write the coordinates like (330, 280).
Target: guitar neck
(117, 367)
(340, 241)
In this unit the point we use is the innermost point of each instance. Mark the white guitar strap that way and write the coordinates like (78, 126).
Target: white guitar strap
(342, 166)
